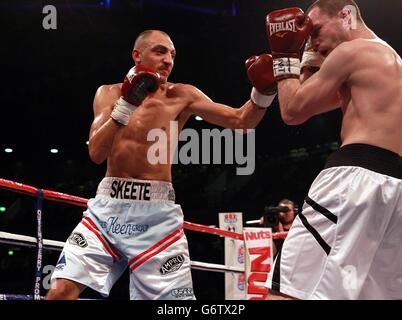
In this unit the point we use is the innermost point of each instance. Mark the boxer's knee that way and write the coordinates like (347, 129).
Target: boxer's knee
(64, 289)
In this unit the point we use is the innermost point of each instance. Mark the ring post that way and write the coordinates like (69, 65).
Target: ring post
(38, 271)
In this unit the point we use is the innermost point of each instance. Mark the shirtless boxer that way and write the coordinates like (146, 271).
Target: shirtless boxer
(346, 242)
(133, 220)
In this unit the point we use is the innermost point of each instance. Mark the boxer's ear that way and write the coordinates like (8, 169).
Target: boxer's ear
(349, 17)
(136, 55)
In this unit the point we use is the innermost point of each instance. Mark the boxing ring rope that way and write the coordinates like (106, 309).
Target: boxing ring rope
(40, 243)
(12, 238)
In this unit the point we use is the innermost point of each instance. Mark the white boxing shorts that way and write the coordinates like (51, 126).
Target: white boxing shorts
(346, 242)
(132, 223)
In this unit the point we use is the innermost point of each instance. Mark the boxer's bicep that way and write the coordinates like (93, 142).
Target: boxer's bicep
(217, 113)
(104, 100)
(212, 112)
(321, 89)
(103, 127)
(319, 93)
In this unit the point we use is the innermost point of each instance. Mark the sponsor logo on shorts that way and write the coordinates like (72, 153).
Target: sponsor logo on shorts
(78, 239)
(182, 292)
(113, 226)
(171, 195)
(130, 190)
(172, 264)
(61, 263)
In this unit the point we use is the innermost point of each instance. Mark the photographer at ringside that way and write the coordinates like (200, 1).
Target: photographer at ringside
(279, 218)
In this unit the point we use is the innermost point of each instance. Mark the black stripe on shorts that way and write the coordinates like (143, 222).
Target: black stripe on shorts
(321, 209)
(316, 235)
(325, 212)
(276, 275)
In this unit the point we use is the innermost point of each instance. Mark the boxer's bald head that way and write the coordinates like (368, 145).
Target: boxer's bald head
(145, 36)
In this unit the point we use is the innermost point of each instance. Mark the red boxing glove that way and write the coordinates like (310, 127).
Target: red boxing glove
(261, 75)
(138, 83)
(287, 31)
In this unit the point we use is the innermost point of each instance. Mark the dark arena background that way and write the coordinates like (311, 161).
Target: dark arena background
(49, 78)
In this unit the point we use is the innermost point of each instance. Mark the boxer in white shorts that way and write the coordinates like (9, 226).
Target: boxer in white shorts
(132, 223)
(346, 242)
(145, 233)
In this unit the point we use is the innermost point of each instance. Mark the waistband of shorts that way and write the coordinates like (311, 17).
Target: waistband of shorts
(136, 190)
(370, 157)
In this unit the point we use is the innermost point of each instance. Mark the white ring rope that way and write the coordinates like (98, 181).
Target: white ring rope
(12, 238)
(28, 241)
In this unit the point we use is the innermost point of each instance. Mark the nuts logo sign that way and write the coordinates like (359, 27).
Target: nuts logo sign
(258, 252)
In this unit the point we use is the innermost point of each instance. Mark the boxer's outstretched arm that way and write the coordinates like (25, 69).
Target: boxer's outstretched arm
(319, 93)
(246, 117)
(103, 128)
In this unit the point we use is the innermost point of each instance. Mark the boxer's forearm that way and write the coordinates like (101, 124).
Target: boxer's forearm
(101, 141)
(291, 112)
(250, 115)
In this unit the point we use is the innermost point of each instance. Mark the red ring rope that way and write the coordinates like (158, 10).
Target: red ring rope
(82, 202)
